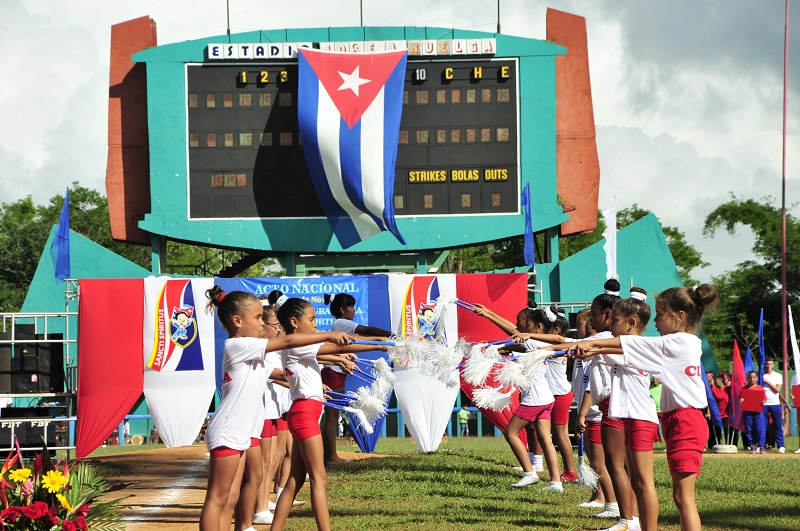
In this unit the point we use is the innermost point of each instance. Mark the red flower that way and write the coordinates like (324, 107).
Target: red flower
(37, 465)
(53, 513)
(80, 523)
(36, 510)
(66, 525)
(83, 510)
(11, 514)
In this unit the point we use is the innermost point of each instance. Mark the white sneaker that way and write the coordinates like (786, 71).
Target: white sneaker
(251, 528)
(295, 503)
(264, 517)
(622, 525)
(797, 451)
(781, 450)
(527, 479)
(606, 514)
(554, 487)
(517, 469)
(592, 504)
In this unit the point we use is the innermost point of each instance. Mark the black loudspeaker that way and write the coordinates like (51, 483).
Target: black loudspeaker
(5, 364)
(25, 383)
(20, 431)
(35, 433)
(51, 365)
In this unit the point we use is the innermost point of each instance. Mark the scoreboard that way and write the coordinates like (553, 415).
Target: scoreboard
(458, 149)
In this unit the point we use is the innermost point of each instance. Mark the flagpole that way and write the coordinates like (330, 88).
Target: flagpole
(784, 307)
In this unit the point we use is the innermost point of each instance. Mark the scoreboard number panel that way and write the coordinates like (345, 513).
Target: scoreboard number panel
(457, 154)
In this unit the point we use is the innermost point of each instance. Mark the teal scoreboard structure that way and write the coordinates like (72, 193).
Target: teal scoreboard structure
(226, 161)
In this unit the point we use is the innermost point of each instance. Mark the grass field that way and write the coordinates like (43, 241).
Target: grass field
(465, 485)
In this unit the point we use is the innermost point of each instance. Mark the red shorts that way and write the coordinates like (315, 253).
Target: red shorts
(686, 432)
(609, 421)
(593, 432)
(533, 413)
(224, 451)
(334, 380)
(560, 413)
(269, 430)
(640, 434)
(281, 424)
(304, 418)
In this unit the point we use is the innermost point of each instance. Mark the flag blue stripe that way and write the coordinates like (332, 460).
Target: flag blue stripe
(393, 98)
(528, 251)
(307, 107)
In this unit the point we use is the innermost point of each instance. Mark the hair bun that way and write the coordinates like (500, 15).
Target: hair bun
(704, 296)
(611, 287)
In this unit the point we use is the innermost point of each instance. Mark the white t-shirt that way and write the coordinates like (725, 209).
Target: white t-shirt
(775, 378)
(342, 325)
(539, 393)
(675, 360)
(556, 373)
(303, 372)
(580, 385)
(272, 409)
(240, 414)
(630, 390)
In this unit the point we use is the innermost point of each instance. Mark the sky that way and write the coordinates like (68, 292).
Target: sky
(688, 94)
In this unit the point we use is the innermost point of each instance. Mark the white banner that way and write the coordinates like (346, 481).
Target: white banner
(178, 357)
(426, 405)
(425, 402)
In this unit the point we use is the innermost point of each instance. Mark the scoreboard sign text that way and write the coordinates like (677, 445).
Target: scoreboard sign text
(457, 153)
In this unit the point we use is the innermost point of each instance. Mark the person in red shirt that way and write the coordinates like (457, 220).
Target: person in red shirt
(722, 404)
(753, 414)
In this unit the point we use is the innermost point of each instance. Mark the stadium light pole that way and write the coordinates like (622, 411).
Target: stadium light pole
(784, 303)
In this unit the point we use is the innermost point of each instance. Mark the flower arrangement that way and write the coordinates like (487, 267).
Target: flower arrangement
(56, 497)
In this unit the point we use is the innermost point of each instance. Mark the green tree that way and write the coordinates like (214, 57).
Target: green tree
(755, 283)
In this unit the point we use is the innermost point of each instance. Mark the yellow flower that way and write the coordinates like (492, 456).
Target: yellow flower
(20, 475)
(64, 503)
(53, 481)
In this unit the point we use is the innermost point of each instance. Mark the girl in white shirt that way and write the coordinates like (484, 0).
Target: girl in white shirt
(301, 366)
(239, 417)
(675, 359)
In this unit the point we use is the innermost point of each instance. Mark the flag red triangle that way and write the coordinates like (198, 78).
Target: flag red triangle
(352, 80)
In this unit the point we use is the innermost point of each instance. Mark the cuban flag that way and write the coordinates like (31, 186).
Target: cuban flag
(348, 110)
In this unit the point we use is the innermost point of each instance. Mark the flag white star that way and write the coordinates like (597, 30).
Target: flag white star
(352, 81)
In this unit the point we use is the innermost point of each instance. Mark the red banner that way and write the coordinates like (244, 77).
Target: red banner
(110, 369)
(506, 295)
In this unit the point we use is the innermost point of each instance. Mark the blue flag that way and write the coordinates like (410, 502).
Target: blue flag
(716, 418)
(762, 360)
(59, 249)
(530, 258)
(748, 363)
(348, 109)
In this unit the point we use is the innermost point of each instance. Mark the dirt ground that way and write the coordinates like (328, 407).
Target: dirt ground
(167, 487)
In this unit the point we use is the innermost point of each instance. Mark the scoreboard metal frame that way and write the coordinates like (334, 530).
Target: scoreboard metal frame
(455, 212)
(458, 151)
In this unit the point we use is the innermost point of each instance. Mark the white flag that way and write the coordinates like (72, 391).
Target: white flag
(610, 247)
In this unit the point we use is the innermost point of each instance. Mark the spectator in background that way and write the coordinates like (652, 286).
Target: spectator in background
(753, 416)
(463, 421)
(655, 394)
(772, 407)
(718, 388)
